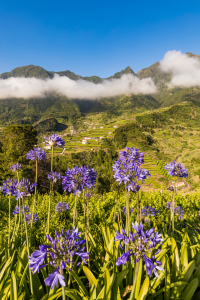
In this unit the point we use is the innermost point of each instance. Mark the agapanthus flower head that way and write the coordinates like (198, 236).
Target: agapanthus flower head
(140, 244)
(55, 176)
(149, 211)
(23, 188)
(16, 167)
(169, 205)
(124, 210)
(8, 186)
(126, 169)
(55, 140)
(179, 212)
(176, 169)
(132, 155)
(62, 252)
(88, 195)
(62, 206)
(78, 179)
(36, 153)
(29, 218)
(16, 210)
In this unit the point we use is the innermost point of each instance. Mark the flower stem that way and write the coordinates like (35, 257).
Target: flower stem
(86, 237)
(74, 211)
(9, 225)
(173, 200)
(63, 288)
(134, 281)
(127, 213)
(35, 195)
(50, 193)
(88, 217)
(27, 243)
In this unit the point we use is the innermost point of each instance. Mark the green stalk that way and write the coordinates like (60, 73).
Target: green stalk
(173, 200)
(88, 218)
(74, 211)
(34, 200)
(63, 288)
(127, 213)
(86, 237)
(27, 243)
(9, 225)
(134, 281)
(119, 213)
(50, 193)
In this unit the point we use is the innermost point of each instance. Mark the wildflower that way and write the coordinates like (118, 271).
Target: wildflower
(176, 169)
(149, 211)
(88, 195)
(62, 206)
(55, 176)
(8, 186)
(55, 140)
(179, 212)
(61, 254)
(141, 245)
(79, 178)
(23, 188)
(16, 210)
(124, 210)
(29, 218)
(36, 153)
(127, 169)
(16, 168)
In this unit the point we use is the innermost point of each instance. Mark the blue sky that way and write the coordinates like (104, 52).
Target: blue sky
(95, 37)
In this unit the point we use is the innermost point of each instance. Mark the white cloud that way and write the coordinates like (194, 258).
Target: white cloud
(81, 89)
(185, 70)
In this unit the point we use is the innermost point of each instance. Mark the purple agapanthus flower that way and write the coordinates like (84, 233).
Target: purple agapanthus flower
(16, 168)
(149, 211)
(16, 210)
(61, 253)
(140, 245)
(179, 212)
(55, 176)
(8, 186)
(55, 278)
(55, 140)
(36, 153)
(124, 210)
(88, 195)
(62, 206)
(78, 179)
(29, 218)
(127, 169)
(23, 188)
(176, 169)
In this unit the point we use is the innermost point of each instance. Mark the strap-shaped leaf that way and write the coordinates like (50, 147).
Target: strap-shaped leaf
(80, 284)
(190, 290)
(91, 278)
(144, 289)
(187, 272)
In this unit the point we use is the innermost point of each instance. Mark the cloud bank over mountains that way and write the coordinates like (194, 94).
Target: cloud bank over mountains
(33, 87)
(185, 71)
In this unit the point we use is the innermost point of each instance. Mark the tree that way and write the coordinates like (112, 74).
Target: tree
(16, 141)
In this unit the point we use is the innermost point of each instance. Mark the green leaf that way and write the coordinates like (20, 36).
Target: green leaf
(190, 290)
(167, 279)
(91, 278)
(187, 272)
(175, 260)
(144, 289)
(13, 287)
(80, 284)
